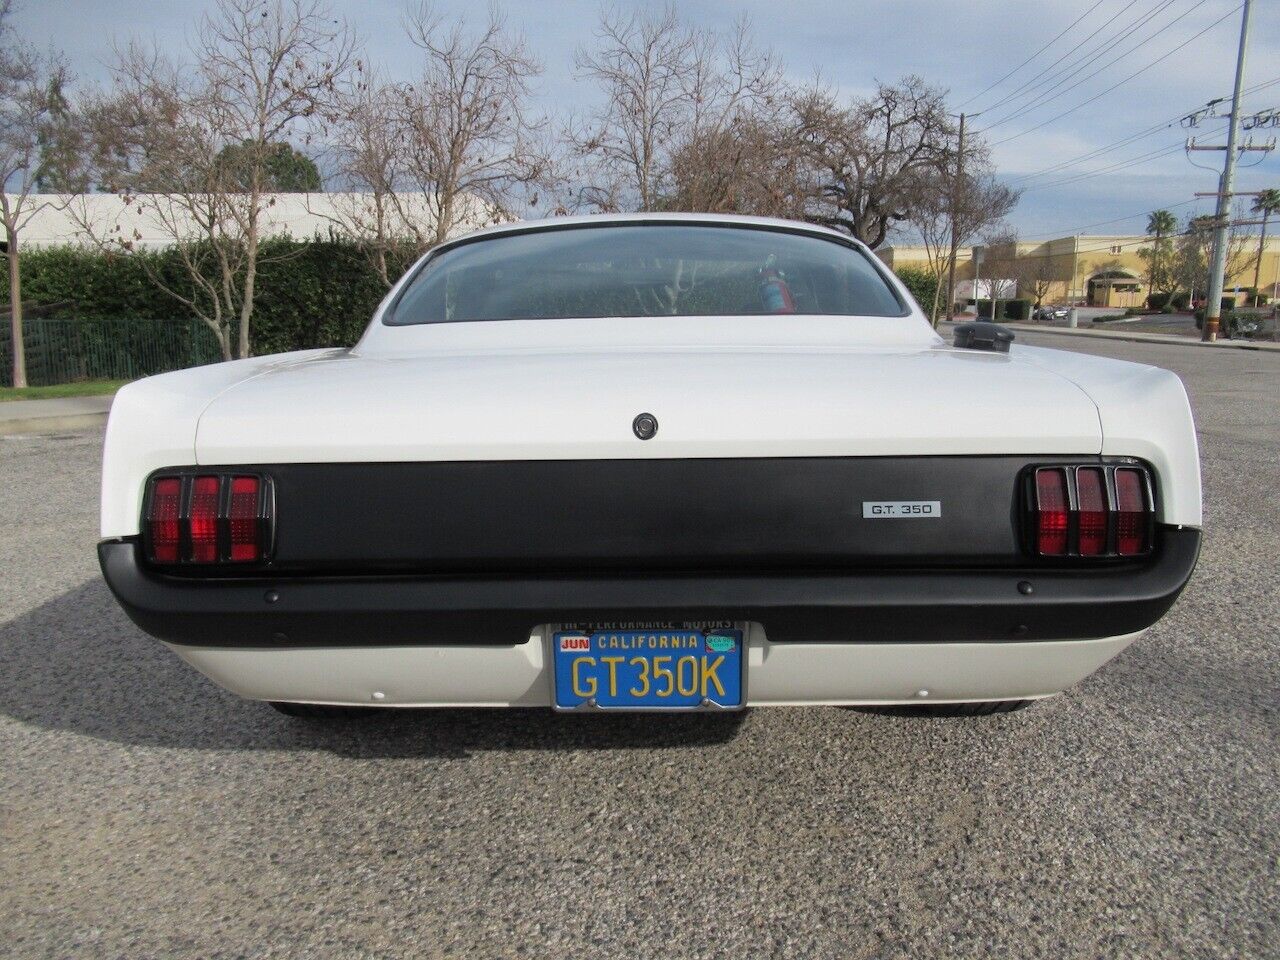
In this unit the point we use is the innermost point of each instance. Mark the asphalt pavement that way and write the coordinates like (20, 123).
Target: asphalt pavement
(145, 813)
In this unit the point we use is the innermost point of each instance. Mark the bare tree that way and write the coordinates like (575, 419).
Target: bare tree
(1192, 252)
(979, 204)
(260, 73)
(30, 92)
(469, 147)
(371, 165)
(648, 66)
(874, 157)
(1002, 265)
(1037, 273)
(738, 152)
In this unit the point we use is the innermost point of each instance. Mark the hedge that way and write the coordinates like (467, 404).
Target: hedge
(922, 285)
(313, 293)
(308, 293)
(1013, 309)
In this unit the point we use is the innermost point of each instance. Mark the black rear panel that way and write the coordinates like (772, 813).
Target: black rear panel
(586, 515)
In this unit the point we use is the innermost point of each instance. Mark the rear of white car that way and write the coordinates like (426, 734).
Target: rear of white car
(670, 509)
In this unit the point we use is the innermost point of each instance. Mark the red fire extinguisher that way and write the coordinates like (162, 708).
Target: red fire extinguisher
(775, 295)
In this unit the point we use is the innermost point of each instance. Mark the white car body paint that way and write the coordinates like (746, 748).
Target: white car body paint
(739, 386)
(790, 674)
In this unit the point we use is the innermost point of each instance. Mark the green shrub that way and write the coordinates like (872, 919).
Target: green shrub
(1017, 309)
(1158, 301)
(1181, 300)
(308, 293)
(922, 285)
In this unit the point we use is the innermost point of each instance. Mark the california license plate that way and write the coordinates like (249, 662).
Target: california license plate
(663, 669)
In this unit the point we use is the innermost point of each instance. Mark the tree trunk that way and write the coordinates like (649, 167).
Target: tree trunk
(15, 312)
(246, 303)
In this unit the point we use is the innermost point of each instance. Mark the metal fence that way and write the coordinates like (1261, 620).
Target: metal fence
(65, 350)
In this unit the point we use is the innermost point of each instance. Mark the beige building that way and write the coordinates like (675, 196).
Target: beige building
(1090, 270)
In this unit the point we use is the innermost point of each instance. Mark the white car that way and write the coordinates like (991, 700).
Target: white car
(652, 462)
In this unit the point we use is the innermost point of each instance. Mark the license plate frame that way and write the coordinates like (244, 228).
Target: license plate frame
(610, 704)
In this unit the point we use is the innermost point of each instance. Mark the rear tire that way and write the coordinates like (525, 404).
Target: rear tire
(981, 709)
(319, 711)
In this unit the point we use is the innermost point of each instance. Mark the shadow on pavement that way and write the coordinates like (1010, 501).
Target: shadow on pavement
(77, 664)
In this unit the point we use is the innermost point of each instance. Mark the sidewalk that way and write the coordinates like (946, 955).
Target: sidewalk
(1163, 338)
(52, 416)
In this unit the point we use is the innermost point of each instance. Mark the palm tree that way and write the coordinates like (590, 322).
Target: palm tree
(1266, 203)
(1161, 223)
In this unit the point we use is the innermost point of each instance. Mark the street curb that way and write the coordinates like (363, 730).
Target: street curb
(1161, 338)
(81, 421)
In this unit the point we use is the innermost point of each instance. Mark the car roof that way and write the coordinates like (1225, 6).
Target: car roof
(725, 219)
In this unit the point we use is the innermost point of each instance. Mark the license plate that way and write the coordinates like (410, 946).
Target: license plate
(664, 669)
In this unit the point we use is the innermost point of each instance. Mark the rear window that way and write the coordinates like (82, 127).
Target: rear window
(649, 270)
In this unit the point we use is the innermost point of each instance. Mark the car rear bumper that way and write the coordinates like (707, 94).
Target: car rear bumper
(779, 674)
(926, 606)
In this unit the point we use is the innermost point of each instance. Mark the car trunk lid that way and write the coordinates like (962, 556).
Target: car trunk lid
(712, 396)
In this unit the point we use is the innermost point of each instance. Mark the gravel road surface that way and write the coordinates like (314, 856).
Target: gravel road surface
(145, 813)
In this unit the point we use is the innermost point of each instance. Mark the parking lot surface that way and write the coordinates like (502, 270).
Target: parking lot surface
(146, 813)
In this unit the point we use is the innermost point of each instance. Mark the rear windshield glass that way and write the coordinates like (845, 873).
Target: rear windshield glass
(645, 271)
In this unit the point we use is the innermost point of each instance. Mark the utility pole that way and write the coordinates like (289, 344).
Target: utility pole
(1213, 309)
(955, 228)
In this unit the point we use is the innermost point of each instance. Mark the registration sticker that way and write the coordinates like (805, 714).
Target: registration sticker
(720, 644)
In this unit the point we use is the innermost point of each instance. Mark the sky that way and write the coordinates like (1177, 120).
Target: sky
(965, 47)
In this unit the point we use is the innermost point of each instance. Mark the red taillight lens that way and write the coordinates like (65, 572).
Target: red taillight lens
(204, 519)
(163, 529)
(1091, 511)
(1051, 512)
(1131, 513)
(208, 518)
(246, 537)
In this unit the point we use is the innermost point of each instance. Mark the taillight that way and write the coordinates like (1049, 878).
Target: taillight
(1131, 513)
(163, 530)
(204, 519)
(1090, 511)
(1051, 512)
(207, 518)
(246, 533)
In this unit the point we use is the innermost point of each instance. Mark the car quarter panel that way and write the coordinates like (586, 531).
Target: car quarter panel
(153, 424)
(1144, 412)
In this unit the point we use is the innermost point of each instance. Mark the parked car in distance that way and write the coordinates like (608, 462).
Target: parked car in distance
(1049, 314)
(652, 462)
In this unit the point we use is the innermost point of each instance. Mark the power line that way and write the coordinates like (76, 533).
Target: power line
(1057, 90)
(1142, 134)
(1113, 168)
(1033, 82)
(1042, 49)
(1052, 79)
(1120, 83)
